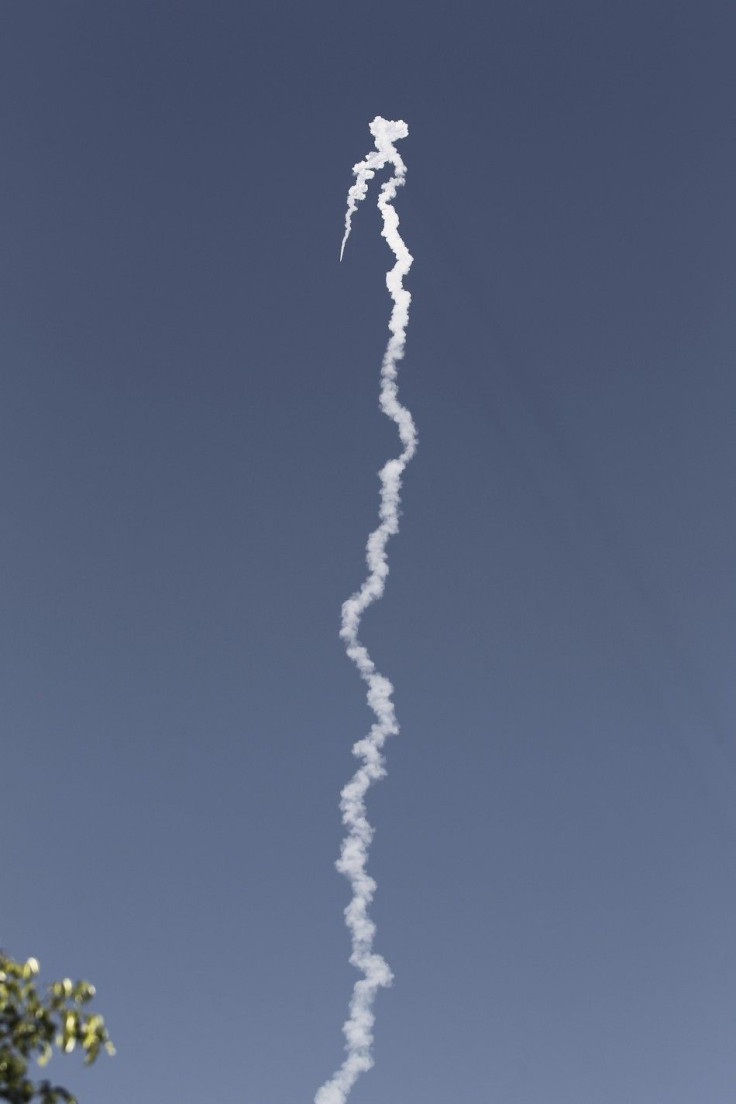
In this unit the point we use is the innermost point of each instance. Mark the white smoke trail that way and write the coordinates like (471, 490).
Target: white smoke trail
(358, 1028)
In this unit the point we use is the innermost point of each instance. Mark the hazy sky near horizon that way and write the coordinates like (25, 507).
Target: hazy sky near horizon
(190, 439)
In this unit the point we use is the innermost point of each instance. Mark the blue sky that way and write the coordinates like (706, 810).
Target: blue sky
(190, 439)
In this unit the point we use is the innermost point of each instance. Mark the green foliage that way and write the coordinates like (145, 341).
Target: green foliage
(31, 1024)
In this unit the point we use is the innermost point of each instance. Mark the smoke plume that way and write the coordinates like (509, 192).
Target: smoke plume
(358, 1028)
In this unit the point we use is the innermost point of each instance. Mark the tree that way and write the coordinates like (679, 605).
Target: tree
(31, 1024)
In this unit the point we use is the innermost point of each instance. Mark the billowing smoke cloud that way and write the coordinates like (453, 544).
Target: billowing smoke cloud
(358, 1028)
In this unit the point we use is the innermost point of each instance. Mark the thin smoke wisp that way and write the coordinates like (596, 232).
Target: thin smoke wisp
(358, 1028)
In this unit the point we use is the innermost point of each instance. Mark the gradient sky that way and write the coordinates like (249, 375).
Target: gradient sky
(190, 439)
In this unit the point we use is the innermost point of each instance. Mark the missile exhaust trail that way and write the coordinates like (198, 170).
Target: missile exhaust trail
(375, 972)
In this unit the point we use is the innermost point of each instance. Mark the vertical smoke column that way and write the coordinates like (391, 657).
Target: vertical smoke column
(358, 1028)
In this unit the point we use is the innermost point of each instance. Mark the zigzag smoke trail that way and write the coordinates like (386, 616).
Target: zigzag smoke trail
(358, 1028)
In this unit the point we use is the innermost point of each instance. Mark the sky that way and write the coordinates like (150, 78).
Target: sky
(189, 442)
